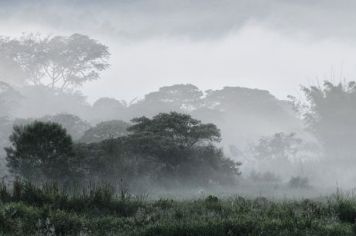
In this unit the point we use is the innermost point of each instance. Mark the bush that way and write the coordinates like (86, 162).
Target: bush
(98, 212)
(346, 211)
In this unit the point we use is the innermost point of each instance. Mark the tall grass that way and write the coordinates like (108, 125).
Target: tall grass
(26, 209)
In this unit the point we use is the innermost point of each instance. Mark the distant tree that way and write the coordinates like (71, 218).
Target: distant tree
(108, 109)
(179, 98)
(105, 130)
(331, 117)
(284, 153)
(57, 62)
(74, 126)
(173, 127)
(279, 147)
(243, 99)
(42, 152)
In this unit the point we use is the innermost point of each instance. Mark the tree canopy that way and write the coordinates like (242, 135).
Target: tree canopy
(57, 62)
(170, 147)
(179, 128)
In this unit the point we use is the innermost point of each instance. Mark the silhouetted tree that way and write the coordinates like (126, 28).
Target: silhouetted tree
(57, 62)
(169, 148)
(177, 128)
(182, 144)
(42, 151)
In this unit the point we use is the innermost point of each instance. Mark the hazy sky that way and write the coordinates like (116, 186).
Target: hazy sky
(269, 44)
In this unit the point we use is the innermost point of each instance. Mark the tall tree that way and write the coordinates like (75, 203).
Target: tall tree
(331, 116)
(57, 62)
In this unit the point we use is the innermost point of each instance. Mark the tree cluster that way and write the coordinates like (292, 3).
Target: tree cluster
(169, 148)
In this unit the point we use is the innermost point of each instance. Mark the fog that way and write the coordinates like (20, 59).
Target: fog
(274, 77)
(274, 45)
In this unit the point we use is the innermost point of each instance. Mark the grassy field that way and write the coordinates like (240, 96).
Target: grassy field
(29, 210)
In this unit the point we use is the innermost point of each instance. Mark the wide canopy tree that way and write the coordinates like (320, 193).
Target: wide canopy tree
(55, 61)
(175, 127)
(170, 138)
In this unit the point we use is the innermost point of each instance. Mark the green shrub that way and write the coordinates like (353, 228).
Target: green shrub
(346, 211)
(49, 210)
(65, 223)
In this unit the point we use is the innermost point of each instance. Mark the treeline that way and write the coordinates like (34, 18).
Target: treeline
(272, 138)
(168, 151)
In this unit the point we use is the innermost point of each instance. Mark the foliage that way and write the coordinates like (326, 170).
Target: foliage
(331, 116)
(105, 130)
(41, 151)
(283, 154)
(181, 129)
(58, 61)
(182, 144)
(169, 148)
(280, 146)
(60, 213)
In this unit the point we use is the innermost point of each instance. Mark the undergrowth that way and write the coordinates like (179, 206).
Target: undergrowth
(26, 209)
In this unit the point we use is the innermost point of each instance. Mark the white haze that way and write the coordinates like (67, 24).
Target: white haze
(274, 45)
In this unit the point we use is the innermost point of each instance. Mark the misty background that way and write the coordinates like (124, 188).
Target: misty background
(273, 45)
(231, 63)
